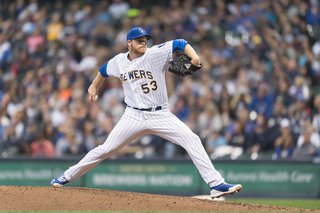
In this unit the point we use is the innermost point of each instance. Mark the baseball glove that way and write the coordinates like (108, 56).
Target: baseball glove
(182, 66)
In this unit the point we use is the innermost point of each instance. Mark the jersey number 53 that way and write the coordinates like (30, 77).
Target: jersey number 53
(149, 86)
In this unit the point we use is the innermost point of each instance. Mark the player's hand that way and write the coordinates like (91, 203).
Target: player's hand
(93, 93)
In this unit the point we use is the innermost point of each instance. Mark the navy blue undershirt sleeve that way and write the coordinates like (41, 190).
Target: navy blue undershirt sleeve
(179, 44)
(103, 70)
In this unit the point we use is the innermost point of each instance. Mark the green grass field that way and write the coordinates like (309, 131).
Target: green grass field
(298, 203)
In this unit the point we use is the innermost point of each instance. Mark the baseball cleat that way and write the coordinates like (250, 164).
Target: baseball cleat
(224, 189)
(59, 182)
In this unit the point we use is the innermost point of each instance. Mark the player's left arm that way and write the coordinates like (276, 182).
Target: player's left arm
(195, 59)
(184, 46)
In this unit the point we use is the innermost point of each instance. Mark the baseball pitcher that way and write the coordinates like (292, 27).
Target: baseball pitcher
(142, 73)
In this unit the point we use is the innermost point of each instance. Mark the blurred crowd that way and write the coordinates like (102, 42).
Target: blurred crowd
(257, 95)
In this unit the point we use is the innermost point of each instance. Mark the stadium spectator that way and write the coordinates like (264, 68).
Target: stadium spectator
(316, 113)
(308, 143)
(284, 144)
(42, 147)
(260, 140)
(262, 101)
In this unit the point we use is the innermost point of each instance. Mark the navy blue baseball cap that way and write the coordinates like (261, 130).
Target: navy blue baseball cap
(137, 32)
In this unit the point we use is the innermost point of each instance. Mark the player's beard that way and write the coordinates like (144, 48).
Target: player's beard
(139, 50)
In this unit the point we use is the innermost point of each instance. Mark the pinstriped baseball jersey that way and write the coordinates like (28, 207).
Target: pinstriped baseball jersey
(143, 79)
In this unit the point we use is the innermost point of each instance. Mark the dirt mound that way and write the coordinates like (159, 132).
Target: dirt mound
(67, 198)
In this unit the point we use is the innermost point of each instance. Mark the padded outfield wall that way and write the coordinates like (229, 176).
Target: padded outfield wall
(289, 179)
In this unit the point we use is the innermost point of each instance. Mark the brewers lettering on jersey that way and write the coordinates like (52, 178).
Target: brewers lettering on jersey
(142, 73)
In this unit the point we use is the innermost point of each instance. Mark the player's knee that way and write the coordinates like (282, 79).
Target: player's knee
(193, 141)
(107, 148)
(99, 150)
(195, 138)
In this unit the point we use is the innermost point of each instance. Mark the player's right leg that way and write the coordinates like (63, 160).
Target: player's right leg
(129, 128)
(174, 130)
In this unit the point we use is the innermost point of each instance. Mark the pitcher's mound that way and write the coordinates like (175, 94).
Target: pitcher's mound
(68, 198)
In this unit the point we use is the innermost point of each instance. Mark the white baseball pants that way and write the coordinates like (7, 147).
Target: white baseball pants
(134, 124)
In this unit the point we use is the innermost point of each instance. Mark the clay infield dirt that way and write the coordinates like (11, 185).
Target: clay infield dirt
(68, 198)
